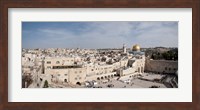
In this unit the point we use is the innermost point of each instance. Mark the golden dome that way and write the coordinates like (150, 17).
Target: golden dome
(136, 48)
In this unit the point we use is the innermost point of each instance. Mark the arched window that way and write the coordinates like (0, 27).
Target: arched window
(57, 62)
(78, 83)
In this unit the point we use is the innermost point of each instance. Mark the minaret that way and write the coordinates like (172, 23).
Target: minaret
(124, 48)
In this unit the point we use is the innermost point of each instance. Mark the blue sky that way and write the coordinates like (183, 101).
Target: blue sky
(93, 35)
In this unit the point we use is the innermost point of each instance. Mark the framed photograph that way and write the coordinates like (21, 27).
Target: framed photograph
(106, 54)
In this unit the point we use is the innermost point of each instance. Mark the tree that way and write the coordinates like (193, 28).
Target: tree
(152, 56)
(46, 85)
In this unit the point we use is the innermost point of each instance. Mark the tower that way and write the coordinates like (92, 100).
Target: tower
(124, 48)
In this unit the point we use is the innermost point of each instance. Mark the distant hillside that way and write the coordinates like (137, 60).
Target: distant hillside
(161, 53)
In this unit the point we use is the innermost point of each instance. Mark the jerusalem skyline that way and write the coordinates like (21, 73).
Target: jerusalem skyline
(108, 54)
(96, 35)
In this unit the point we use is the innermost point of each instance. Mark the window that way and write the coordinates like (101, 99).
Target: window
(58, 74)
(169, 69)
(75, 72)
(57, 62)
(79, 77)
(165, 68)
(65, 74)
(92, 69)
(75, 78)
(48, 62)
(80, 71)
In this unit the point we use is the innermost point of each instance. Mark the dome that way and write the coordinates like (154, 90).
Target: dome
(136, 48)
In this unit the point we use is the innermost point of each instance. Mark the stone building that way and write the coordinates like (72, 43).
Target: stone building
(76, 70)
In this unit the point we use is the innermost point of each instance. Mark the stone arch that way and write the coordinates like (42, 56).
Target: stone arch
(98, 78)
(78, 83)
(102, 77)
(65, 80)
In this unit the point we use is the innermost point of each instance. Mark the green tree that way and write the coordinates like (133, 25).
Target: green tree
(46, 85)
(170, 55)
(152, 56)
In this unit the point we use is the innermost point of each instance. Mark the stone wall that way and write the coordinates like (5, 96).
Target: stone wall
(161, 66)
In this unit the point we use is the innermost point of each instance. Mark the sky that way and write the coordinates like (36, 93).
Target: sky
(94, 35)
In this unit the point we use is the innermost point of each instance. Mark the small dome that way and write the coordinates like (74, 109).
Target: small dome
(136, 48)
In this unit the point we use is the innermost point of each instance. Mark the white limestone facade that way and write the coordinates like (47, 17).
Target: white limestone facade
(64, 70)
